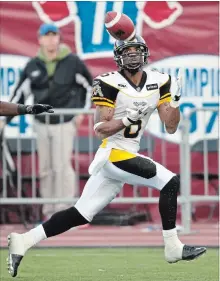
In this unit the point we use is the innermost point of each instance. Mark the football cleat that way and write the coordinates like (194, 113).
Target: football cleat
(188, 253)
(191, 252)
(15, 252)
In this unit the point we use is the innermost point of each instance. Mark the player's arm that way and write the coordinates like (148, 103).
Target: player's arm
(104, 97)
(105, 125)
(9, 109)
(12, 109)
(169, 115)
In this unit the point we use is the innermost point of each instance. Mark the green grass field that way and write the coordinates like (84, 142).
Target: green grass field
(110, 264)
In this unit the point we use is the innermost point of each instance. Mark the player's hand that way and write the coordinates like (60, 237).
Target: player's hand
(133, 115)
(39, 108)
(176, 85)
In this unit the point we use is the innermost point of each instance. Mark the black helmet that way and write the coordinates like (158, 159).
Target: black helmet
(131, 61)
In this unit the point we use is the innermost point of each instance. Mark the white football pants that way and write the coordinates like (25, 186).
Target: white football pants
(103, 187)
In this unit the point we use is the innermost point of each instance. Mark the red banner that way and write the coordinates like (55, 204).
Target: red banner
(169, 28)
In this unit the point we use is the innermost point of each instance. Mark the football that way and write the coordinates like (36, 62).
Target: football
(120, 26)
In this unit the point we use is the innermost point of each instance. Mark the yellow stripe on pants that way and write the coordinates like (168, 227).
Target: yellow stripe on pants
(120, 155)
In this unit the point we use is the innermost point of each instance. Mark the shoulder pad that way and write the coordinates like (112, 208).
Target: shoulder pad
(106, 74)
(104, 90)
(161, 77)
(155, 70)
(108, 77)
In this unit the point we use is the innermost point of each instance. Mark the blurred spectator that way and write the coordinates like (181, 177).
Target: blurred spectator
(59, 78)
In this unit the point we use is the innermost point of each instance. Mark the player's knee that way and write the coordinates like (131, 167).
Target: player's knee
(84, 211)
(80, 219)
(151, 169)
(144, 168)
(172, 186)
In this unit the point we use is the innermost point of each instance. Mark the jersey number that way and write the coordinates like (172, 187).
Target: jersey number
(132, 131)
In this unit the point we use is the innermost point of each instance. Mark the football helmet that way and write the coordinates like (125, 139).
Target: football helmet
(131, 61)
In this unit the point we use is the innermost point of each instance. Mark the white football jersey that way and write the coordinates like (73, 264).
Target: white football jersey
(115, 90)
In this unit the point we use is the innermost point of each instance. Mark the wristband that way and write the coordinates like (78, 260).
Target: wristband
(22, 109)
(174, 104)
(96, 125)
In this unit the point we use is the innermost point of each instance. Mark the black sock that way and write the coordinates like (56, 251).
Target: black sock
(63, 221)
(168, 203)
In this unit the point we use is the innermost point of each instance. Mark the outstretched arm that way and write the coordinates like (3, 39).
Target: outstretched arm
(169, 110)
(170, 116)
(8, 109)
(12, 109)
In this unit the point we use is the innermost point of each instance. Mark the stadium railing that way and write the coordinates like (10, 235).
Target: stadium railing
(13, 176)
(205, 147)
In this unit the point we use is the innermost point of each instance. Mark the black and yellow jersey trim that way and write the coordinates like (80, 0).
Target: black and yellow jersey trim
(97, 99)
(103, 93)
(103, 101)
(165, 99)
(165, 88)
(165, 95)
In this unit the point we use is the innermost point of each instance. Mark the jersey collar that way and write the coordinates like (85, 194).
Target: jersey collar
(139, 87)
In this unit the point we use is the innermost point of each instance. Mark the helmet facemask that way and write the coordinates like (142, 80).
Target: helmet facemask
(131, 61)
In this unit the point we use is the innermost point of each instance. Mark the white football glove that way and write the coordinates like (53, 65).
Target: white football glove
(175, 89)
(133, 115)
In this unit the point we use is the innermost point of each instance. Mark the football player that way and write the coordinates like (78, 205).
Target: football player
(124, 100)
(12, 109)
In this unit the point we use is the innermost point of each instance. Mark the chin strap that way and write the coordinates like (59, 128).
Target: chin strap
(133, 71)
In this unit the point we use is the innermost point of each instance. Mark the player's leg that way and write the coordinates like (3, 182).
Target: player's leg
(98, 192)
(139, 170)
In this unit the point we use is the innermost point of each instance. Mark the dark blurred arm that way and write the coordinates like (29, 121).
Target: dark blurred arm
(8, 109)
(11, 109)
